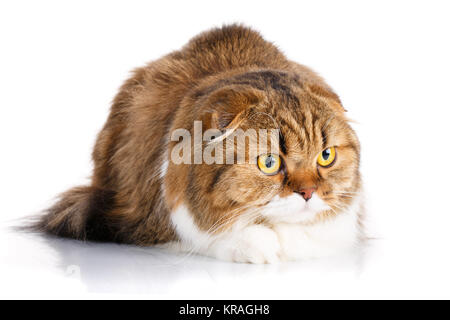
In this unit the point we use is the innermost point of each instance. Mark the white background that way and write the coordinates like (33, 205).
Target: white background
(62, 62)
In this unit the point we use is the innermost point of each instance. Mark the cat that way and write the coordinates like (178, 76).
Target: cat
(301, 202)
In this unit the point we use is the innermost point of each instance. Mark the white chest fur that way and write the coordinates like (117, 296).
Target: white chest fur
(262, 244)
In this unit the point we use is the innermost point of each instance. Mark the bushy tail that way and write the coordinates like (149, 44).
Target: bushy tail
(80, 213)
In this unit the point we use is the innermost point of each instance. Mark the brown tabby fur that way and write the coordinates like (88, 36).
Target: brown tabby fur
(223, 77)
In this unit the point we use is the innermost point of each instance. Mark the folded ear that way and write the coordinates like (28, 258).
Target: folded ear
(328, 96)
(228, 105)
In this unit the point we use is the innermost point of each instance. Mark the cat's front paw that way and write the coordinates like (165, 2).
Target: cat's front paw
(255, 244)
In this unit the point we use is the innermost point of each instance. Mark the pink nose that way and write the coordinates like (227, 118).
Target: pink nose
(307, 193)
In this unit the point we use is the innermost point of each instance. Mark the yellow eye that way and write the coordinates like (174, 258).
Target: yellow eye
(269, 163)
(327, 157)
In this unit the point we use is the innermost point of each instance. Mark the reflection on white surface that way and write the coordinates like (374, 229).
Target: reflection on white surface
(34, 266)
(110, 267)
(107, 268)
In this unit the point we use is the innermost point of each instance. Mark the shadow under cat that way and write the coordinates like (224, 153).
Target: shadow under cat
(114, 268)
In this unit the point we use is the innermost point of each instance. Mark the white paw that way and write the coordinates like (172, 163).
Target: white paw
(255, 244)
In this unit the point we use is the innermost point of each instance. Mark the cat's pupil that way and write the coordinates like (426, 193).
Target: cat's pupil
(270, 161)
(326, 154)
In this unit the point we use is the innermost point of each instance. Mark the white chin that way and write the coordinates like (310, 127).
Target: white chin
(293, 208)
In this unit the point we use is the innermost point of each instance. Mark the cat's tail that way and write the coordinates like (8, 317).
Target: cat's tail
(80, 213)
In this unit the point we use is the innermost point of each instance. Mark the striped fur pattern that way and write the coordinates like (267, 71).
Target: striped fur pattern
(228, 76)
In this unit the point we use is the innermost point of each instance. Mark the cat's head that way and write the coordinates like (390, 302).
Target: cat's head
(308, 172)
